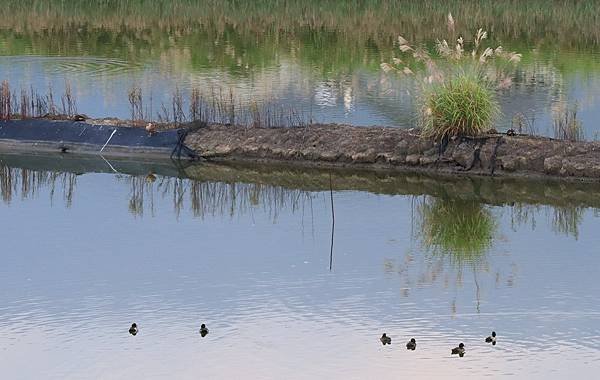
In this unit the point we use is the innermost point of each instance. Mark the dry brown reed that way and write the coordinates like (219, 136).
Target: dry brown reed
(212, 106)
(25, 103)
(566, 125)
(218, 106)
(136, 104)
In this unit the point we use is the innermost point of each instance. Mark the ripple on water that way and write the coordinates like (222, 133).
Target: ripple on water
(92, 67)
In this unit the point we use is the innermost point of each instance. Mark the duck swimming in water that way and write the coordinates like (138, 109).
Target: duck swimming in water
(385, 339)
(491, 339)
(460, 350)
(133, 330)
(203, 330)
(412, 344)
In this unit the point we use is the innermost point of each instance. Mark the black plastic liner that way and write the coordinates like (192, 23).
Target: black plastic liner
(80, 137)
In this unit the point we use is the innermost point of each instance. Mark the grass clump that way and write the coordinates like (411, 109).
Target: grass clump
(464, 104)
(458, 94)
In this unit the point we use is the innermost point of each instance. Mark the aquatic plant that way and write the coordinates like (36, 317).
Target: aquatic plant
(457, 96)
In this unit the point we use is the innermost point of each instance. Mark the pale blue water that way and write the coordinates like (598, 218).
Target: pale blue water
(76, 273)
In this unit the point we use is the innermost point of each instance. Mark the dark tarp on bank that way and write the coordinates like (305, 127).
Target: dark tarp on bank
(72, 136)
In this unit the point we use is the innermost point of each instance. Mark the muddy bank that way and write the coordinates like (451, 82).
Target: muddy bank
(400, 150)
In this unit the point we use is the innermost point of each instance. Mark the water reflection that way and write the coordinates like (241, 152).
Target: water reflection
(452, 214)
(96, 266)
(25, 183)
(204, 198)
(462, 230)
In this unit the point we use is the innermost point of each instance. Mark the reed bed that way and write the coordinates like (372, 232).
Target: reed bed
(215, 106)
(457, 92)
(29, 103)
(210, 106)
(566, 124)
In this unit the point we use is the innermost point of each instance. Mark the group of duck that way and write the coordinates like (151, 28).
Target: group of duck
(460, 350)
(385, 339)
(133, 330)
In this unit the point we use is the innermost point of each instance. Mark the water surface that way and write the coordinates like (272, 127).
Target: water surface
(84, 255)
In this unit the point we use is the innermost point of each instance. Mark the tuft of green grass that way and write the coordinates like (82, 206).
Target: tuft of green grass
(458, 94)
(464, 104)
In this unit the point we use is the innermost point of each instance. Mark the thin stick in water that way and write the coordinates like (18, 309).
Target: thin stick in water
(332, 222)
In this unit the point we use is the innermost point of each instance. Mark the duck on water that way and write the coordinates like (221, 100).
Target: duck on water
(385, 339)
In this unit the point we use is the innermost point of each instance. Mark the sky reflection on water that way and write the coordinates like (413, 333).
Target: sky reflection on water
(76, 274)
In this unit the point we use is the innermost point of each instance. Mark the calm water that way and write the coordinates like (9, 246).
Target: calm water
(90, 246)
(85, 255)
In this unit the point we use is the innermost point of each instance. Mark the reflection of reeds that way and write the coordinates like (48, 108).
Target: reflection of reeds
(462, 229)
(566, 220)
(202, 198)
(369, 20)
(27, 183)
(207, 198)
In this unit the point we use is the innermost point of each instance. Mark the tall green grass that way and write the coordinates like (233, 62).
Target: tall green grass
(458, 91)
(463, 105)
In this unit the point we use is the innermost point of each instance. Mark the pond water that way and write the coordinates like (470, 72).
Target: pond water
(91, 245)
(86, 254)
(323, 63)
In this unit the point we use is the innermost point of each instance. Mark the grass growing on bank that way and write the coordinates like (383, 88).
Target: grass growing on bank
(458, 92)
(464, 104)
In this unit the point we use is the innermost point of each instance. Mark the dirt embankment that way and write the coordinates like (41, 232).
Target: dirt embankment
(400, 150)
